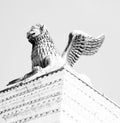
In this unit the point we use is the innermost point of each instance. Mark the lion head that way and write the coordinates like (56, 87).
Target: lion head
(37, 31)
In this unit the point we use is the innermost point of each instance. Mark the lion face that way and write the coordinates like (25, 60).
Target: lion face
(37, 30)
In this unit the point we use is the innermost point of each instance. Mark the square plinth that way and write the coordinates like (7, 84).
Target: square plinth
(60, 96)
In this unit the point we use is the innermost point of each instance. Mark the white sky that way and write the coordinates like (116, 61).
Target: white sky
(61, 17)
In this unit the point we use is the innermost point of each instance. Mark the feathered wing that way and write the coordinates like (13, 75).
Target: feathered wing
(80, 43)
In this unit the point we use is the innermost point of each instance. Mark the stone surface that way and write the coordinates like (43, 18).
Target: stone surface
(60, 96)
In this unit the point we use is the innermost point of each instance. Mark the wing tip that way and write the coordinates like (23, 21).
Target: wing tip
(102, 37)
(76, 32)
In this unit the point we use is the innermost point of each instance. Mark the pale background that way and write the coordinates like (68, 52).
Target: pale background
(61, 17)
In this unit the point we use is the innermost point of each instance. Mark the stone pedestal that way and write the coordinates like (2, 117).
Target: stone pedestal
(60, 96)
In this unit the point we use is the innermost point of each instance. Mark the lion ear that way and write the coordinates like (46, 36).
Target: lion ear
(42, 27)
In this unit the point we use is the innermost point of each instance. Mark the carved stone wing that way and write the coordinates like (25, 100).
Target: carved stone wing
(80, 43)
